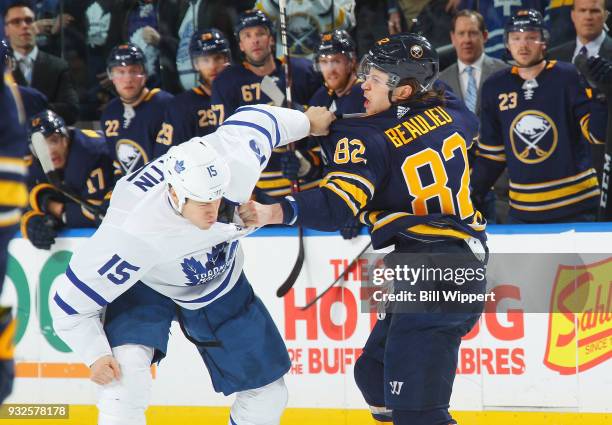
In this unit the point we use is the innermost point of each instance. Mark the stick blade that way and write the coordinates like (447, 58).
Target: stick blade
(41, 151)
(295, 272)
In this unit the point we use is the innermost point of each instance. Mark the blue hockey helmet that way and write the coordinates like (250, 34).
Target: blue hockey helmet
(124, 55)
(526, 20)
(6, 51)
(337, 41)
(404, 57)
(208, 42)
(48, 122)
(252, 18)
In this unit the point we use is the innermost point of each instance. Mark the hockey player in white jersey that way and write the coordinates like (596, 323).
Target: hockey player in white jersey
(169, 245)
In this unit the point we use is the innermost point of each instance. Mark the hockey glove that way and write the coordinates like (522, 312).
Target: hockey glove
(351, 228)
(40, 229)
(600, 72)
(294, 165)
(7, 368)
(41, 194)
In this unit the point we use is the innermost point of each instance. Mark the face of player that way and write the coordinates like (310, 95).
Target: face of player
(376, 92)
(201, 214)
(336, 70)
(256, 43)
(129, 81)
(468, 40)
(589, 17)
(20, 29)
(58, 149)
(526, 48)
(209, 66)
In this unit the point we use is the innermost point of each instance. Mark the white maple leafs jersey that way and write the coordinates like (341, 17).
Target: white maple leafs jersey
(142, 238)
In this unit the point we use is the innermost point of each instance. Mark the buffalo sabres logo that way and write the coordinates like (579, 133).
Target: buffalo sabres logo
(533, 136)
(303, 32)
(416, 51)
(130, 155)
(218, 260)
(326, 37)
(36, 122)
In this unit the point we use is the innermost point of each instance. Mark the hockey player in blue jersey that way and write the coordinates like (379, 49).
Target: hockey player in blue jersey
(336, 60)
(190, 113)
(248, 84)
(403, 169)
(168, 245)
(132, 121)
(13, 197)
(85, 168)
(537, 121)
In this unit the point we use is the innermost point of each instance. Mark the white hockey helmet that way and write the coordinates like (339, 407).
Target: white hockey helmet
(196, 171)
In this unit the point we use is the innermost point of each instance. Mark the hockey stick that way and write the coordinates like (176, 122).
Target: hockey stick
(295, 187)
(329, 287)
(40, 150)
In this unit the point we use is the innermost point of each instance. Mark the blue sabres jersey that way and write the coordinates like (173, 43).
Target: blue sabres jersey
(350, 103)
(13, 144)
(33, 101)
(88, 174)
(404, 172)
(541, 130)
(237, 86)
(189, 115)
(132, 132)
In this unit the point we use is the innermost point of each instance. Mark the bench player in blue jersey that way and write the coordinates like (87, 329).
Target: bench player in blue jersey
(13, 197)
(132, 121)
(85, 168)
(538, 121)
(403, 170)
(336, 60)
(242, 84)
(190, 113)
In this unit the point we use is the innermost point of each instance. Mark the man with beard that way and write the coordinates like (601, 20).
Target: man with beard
(249, 83)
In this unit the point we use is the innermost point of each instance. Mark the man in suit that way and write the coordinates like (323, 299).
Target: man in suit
(46, 73)
(465, 78)
(589, 17)
(473, 66)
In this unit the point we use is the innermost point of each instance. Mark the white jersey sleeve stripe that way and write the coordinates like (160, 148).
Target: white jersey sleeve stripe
(269, 115)
(254, 126)
(64, 305)
(84, 288)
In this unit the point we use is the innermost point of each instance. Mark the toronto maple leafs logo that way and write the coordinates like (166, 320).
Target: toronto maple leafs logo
(217, 261)
(194, 271)
(179, 167)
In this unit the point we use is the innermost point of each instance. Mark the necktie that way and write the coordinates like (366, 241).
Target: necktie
(583, 51)
(24, 66)
(470, 95)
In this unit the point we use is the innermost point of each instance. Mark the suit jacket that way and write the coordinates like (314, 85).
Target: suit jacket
(51, 76)
(565, 51)
(451, 76)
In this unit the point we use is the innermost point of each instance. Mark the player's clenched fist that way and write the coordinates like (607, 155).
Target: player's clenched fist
(320, 120)
(254, 214)
(104, 370)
